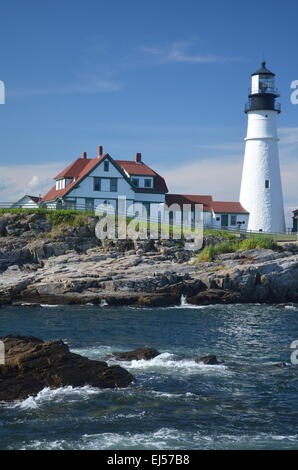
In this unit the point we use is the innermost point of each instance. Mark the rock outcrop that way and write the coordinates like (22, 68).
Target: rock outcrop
(32, 364)
(210, 360)
(136, 354)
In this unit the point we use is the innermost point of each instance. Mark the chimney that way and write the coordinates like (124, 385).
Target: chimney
(138, 157)
(84, 155)
(100, 151)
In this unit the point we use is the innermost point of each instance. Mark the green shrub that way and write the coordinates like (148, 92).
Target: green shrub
(260, 243)
(209, 252)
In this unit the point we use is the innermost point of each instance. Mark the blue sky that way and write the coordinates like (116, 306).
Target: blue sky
(167, 78)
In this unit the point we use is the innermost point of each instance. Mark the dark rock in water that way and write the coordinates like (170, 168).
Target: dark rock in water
(210, 360)
(214, 296)
(279, 364)
(32, 364)
(137, 354)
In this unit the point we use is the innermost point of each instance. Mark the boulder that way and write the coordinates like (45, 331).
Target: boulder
(2, 226)
(214, 296)
(32, 364)
(210, 360)
(137, 354)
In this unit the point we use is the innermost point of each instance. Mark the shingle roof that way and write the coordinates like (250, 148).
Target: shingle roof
(208, 204)
(134, 168)
(181, 199)
(230, 207)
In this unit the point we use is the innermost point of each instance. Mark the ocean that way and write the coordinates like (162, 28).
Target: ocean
(174, 402)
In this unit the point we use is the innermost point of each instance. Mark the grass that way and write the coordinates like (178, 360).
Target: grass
(69, 218)
(235, 234)
(209, 252)
(221, 234)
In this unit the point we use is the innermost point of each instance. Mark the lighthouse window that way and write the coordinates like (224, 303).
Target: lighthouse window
(267, 184)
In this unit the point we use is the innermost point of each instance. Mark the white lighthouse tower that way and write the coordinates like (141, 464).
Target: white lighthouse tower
(261, 191)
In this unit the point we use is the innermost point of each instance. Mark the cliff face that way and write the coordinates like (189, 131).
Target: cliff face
(44, 262)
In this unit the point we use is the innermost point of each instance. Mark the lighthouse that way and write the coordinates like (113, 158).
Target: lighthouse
(261, 190)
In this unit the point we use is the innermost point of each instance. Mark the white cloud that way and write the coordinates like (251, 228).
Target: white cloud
(219, 176)
(91, 86)
(179, 51)
(288, 135)
(34, 182)
(18, 180)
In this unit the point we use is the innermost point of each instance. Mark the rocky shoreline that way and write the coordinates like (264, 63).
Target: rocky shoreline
(41, 263)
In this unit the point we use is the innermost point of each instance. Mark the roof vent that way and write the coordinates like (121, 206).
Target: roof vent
(138, 157)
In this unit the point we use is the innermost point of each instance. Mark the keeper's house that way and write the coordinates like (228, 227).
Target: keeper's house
(89, 182)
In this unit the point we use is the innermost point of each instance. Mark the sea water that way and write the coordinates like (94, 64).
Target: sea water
(174, 402)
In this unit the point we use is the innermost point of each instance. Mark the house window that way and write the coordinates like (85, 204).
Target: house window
(106, 165)
(135, 182)
(71, 205)
(148, 183)
(233, 219)
(89, 204)
(267, 184)
(97, 184)
(113, 185)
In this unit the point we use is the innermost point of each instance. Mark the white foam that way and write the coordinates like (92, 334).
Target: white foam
(94, 352)
(57, 395)
(163, 438)
(49, 306)
(168, 363)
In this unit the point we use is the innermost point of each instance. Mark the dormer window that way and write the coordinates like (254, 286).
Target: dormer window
(60, 184)
(106, 165)
(135, 182)
(148, 183)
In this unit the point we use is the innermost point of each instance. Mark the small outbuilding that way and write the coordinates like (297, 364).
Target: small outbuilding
(27, 202)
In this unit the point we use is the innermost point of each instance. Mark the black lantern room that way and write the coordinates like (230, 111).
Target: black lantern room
(263, 93)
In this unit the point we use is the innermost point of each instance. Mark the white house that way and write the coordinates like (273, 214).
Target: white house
(89, 182)
(28, 202)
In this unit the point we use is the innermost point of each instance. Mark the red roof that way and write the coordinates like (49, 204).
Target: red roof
(141, 169)
(78, 170)
(230, 207)
(181, 199)
(134, 168)
(208, 203)
(34, 198)
(82, 166)
(74, 169)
